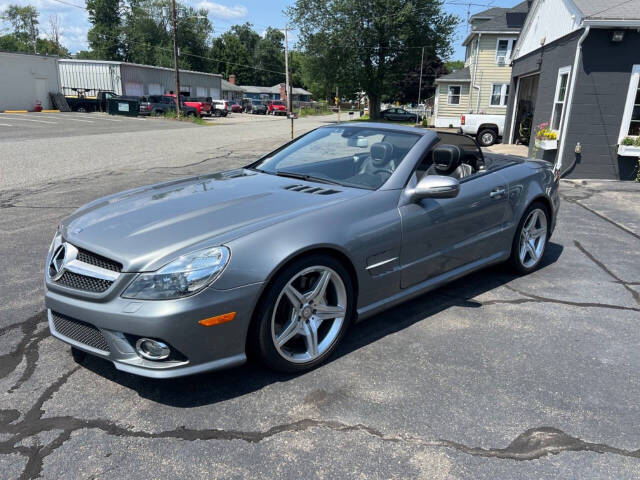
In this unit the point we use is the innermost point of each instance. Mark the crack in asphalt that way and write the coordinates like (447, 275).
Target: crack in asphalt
(576, 201)
(532, 298)
(26, 349)
(604, 268)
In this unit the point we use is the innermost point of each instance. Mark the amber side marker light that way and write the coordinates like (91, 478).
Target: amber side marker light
(211, 321)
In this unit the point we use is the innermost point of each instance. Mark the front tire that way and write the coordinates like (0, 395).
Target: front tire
(530, 240)
(487, 137)
(304, 314)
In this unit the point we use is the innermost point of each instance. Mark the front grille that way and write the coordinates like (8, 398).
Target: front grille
(98, 261)
(82, 282)
(79, 331)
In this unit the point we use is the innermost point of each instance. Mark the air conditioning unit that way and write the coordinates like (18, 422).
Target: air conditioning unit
(502, 61)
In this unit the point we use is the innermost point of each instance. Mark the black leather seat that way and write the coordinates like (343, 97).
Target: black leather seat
(382, 158)
(447, 160)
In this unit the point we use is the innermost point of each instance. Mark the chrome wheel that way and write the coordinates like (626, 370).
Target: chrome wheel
(533, 238)
(308, 315)
(487, 138)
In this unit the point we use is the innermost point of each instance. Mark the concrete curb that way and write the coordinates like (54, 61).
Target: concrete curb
(16, 111)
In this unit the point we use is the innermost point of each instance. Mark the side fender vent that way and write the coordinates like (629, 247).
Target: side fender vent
(309, 189)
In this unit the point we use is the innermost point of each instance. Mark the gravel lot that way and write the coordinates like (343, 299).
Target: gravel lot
(491, 377)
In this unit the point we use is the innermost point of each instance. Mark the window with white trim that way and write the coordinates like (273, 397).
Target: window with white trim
(499, 94)
(559, 100)
(631, 117)
(504, 47)
(453, 95)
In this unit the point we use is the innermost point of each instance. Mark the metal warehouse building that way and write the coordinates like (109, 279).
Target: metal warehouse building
(131, 79)
(27, 79)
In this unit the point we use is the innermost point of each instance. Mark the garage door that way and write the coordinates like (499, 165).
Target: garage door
(201, 92)
(215, 93)
(155, 89)
(133, 89)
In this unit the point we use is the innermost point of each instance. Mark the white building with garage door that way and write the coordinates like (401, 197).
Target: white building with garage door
(131, 79)
(27, 80)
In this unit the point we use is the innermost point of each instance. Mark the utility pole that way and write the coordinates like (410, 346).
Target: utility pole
(338, 103)
(286, 67)
(175, 54)
(420, 82)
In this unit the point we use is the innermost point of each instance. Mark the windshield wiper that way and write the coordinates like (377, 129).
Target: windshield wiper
(302, 176)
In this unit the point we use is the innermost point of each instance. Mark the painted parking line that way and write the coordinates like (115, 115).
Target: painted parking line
(19, 117)
(5, 125)
(101, 116)
(68, 117)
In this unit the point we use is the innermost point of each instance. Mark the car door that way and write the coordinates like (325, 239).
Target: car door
(441, 235)
(403, 115)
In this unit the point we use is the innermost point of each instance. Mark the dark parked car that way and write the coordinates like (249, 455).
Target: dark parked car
(254, 106)
(162, 104)
(279, 257)
(82, 102)
(399, 115)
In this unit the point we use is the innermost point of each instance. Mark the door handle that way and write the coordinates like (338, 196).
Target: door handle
(498, 192)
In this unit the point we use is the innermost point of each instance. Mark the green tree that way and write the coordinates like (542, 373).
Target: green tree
(269, 56)
(369, 45)
(24, 24)
(147, 35)
(104, 34)
(454, 65)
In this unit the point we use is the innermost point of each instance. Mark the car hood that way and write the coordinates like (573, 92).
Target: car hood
(147, 227)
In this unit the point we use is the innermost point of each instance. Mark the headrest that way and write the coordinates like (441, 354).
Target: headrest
(381, 152)
(446, 158)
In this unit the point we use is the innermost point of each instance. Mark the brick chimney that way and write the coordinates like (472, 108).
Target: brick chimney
(232, 79)
(283, 92)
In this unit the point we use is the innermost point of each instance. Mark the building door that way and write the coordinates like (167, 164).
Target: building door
(133, 89)
(526, 102)
(155, 89)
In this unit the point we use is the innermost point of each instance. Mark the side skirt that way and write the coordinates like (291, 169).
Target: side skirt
(430, 284)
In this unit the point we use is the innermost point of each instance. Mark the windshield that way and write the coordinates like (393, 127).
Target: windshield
(357, 157)
(277, 103)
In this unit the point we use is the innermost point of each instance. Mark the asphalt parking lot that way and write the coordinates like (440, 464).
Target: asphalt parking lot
(491, 377)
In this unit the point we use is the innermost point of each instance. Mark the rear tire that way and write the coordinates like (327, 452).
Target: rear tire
(487, 137)
(309, 340)
(530, 241)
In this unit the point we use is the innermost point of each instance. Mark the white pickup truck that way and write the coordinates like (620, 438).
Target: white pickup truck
(486, 128)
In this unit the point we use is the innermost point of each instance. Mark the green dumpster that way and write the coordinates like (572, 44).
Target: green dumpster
(123, 106)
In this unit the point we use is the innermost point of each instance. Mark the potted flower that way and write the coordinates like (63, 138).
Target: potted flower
(546, 139)
(629, 147)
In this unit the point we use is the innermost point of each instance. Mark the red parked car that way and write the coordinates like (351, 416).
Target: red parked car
(189, 103)
(276, 107)
(206, 110)
(235, 107)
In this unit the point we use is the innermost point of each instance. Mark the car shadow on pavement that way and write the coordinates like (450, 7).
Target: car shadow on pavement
(214, 387)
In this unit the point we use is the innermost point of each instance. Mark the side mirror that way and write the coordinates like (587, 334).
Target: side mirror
(435, 186)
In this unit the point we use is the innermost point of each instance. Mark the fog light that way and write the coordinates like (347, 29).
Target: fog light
(152, 349)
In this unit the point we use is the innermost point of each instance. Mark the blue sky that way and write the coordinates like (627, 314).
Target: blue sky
(223, 14)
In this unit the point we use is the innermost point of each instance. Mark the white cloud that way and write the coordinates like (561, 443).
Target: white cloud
(222, 11)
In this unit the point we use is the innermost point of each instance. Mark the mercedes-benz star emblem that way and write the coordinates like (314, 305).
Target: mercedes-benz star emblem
(56, 266)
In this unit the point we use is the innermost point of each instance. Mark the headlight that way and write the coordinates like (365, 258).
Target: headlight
(185, 276)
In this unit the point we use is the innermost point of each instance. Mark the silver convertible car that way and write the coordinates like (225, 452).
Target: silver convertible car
(277, 259)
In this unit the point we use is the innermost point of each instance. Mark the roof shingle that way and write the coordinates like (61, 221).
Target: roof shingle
(609, 9)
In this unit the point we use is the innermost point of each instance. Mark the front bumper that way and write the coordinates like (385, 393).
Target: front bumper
(175, 322)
